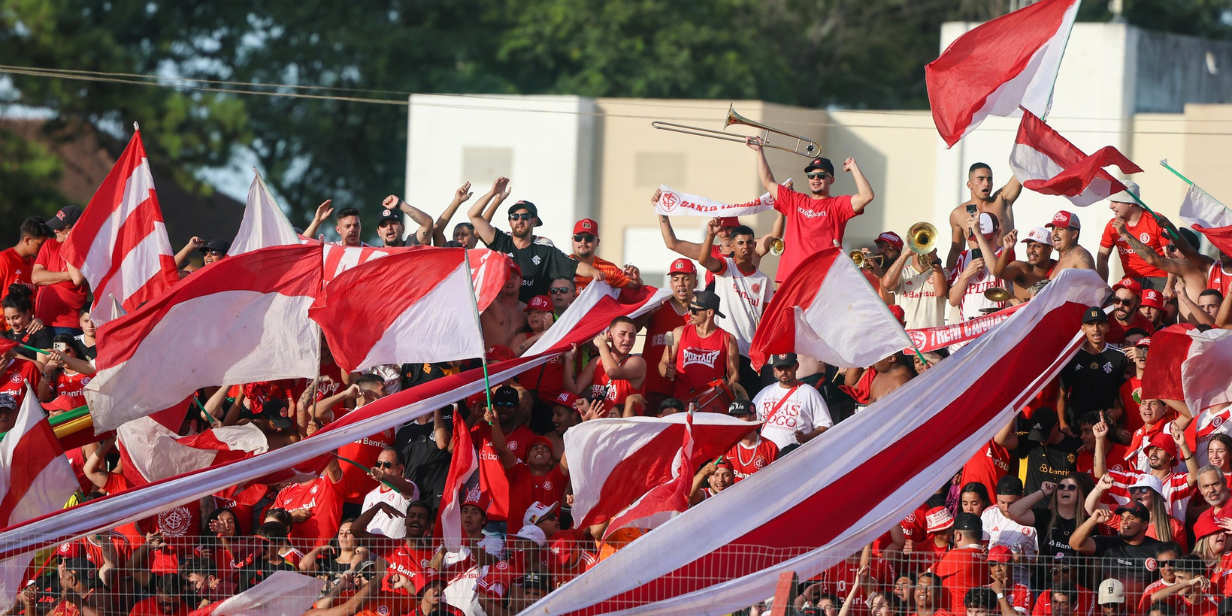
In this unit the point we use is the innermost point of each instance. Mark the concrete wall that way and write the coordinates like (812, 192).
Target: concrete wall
(1177, 70)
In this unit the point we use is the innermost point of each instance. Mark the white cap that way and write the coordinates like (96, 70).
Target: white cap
(1124, 196)
(988, 224)
(536, 511)
(1147, 480)
(1111, 591)
(1038, 234)
(533, 533)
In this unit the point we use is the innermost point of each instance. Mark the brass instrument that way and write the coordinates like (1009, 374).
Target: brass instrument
(922, 238)
(804, 146)
(777, 246)
(860, 260)
(997, 294)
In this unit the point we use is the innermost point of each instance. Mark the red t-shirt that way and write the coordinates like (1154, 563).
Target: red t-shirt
(1131, 417)
(960, 570)
(70, 392)
(988, 466)
(813, 225)
(525, 489)
(151, 607)
(323, 499)
(839, 579)
(662, 322)
(561, 576)
(1116, 331)
(746, 460)
(13, 270)
(404, 560)
(58, 304)
(17, 375)
(493, 482)
(1206, 606)
(1148, 232)
(179, 527)
(547, 380)
(355, 481)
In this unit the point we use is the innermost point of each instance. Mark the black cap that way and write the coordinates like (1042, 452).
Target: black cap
(671, 403)
(740, 408)
(1009, 485)
(66, 217)
(1136, 509)
(277, 412)
(537, 580)
(529, 207)
(1043, 420)
(706, 300)
(505, 396)
(784, 360)
(388, 214)
(7, 401)
(218, 244)
(1094, 314)
(820, 163)
(968, 522)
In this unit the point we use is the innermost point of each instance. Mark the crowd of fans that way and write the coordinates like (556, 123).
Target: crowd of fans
(1089, 487)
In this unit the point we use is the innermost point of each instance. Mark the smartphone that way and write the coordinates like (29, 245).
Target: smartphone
(976, 253)
(971, 210)
(60, 346)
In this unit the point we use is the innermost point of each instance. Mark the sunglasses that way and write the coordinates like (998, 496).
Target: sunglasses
(558, 290)
(818, 175)
(1170, 248)
(383, 465)
(1069, 488)
(1122, 301)
(695, 310)
(520, 216)
(1166, 563)
(584, 237)
(1139, 490)
(216, 253)
(1060, 569)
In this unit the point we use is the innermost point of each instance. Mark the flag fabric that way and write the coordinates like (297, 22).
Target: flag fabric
(614, 462)
(1190, 365)
(151, 451)
(489, 269)
(463, 465)
(120, 243)
(377, 314)
(1049, 164)
(283, 593)
(879, 465)
(35, 479)
(998, 66)
(594, 309)
(1209, 217)
(241, 320)
(932, 338)
(264, 224)
(667, 499)
(675, 203)
(826, 310)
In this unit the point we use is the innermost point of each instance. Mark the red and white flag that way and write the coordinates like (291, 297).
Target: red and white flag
(411, 307)
(862, 477)
(1049, 164)
(463, 465)
(264, 224)
(35, 479)
(615, 462)
(120, 242)
(1190, 365)
(998, 66)
(826, 310)
(598, 301)
(242, 319)
(151, 451)
(667, 499)
(283, 593)
(1209, 217)
(489, 269)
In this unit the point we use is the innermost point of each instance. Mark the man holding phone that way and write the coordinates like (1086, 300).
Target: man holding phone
(998, 204)
(971, 275)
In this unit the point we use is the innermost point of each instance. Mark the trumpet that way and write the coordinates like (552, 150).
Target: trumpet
(804, 146)
(860, 260)
(777, 246)
(922, 238)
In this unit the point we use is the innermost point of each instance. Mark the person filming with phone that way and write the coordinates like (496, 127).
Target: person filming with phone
(971, 276)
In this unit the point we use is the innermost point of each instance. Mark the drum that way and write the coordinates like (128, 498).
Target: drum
(715, 399)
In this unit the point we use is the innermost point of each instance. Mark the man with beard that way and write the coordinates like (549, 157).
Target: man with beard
(700, 352)
(1065, 230)
(1023, 274)
(1126, 298)
(1163, 453)
(390, 227)
(673, 313)
(999, 204)
(586, 244)
(408, 557)
(1182, 259)
(790, 412)
(1137, 223)
(1129, 553)
(1091, 381)
(347, 226)
(920, 287)
(540, 264)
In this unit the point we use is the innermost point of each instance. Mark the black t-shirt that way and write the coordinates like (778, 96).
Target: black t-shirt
(1128, 562)
(41, 339)
(1093, 380)
(1047, 462)
(255, 572)
(1051, 543)
(540, 264)
(425, 464)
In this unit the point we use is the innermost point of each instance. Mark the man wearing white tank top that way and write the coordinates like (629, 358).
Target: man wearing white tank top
(743, 289)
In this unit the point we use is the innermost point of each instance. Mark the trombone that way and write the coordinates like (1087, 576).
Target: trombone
(804, 146)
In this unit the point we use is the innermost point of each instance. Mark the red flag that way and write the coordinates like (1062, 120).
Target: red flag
(120, 242)
(666, 499)
(997, 67)
(1049, 164)
(1189, 365)
(462, 467)
(6, 344)
(280, 594)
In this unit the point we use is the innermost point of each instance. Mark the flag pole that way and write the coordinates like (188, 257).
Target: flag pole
(1165, 164)
(483, 358)
(1168, 228)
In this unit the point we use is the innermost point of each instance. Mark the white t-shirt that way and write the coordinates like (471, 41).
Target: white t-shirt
(805, 411)
(742, 300)
(918, 297)
(974, 299)
(1211, 422)
(383, 523)
(1000, 530)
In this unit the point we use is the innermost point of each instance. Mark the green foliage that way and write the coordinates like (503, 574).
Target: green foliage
(28, 176)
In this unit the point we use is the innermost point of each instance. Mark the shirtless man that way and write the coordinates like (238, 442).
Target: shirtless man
(1183, 261)
(1065, 229)
(1023, 274)
(999, 204)
(892, 372)
(502, 320)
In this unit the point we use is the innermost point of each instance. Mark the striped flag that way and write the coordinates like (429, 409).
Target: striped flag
(283, 593)
(463, 466)
(1209, 217)
(667, 499)
(1049, 164)
(120, 242)
(264, 224)
(1190, 365)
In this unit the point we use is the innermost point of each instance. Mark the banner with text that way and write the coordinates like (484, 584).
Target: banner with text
(676, 203)
(933, 338)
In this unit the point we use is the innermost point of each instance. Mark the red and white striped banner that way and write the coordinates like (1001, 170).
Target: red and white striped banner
(932, 338)
(1189, 365)
(863, 476)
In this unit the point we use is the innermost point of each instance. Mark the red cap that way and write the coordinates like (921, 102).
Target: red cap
(500, 352)
(1164, 441)
(423, 578)
(890, 238)
(586, 225)
(561, 549)
(474, 496)
(1065, 220)
(1206, 526)
(1144, 342)
(542, 303)
(1000, 554)
(540, 440)
(1130, 284)
(899, 314)
(938, 519)
(515, 268)
(71, 549)
(1152, 299)
(729, 221)
(564, 398)
(682, 266)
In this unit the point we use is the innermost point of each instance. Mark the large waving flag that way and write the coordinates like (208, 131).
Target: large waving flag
(239, 320)
(998, 66)
(151, 451)
(614, 462)
(1049, 164)
(120, 242)
(666, 499)
(1209, 217)
(825, 309)
(1190, 365)
(378, 314)
(462, 466)
(283, 593)
(599, 301)
(729, 551)
(264, 224)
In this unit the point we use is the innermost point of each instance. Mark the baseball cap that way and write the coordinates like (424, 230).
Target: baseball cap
(938, 519)
(1065, 220)
(7, 401)
(968, 522)
(706, 300)
(1152, 299)
(1129, 284)
(740, 408)
(561, 549)
(1094, 314)
(1147, 480)
(1044, 418)
(1009, 485)
(66, 217)
(729, 221)
(530, 209)
(1000, 553)
(671, 403)
(505, 396)
(387, 215)
(1111, 591)
(899, 314)
(277, 412)
(820, 163)
(1038, 235)
(514, 268)
(1164, 441)
(218, 244)
(783, 360)
(1124, 196)
(586, 225)
(474, 496)
(532, 533)
(540, 440)
(1136, 509)
(988, 225)
(542, 303)
(536, 511)
(1145, 342)
(890, 238)
(72, 549)
(423, 579)
(536, 580)
(565, 398)
(682, 266)
(1205, 525)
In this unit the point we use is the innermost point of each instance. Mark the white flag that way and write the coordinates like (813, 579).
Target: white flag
(264, 223)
